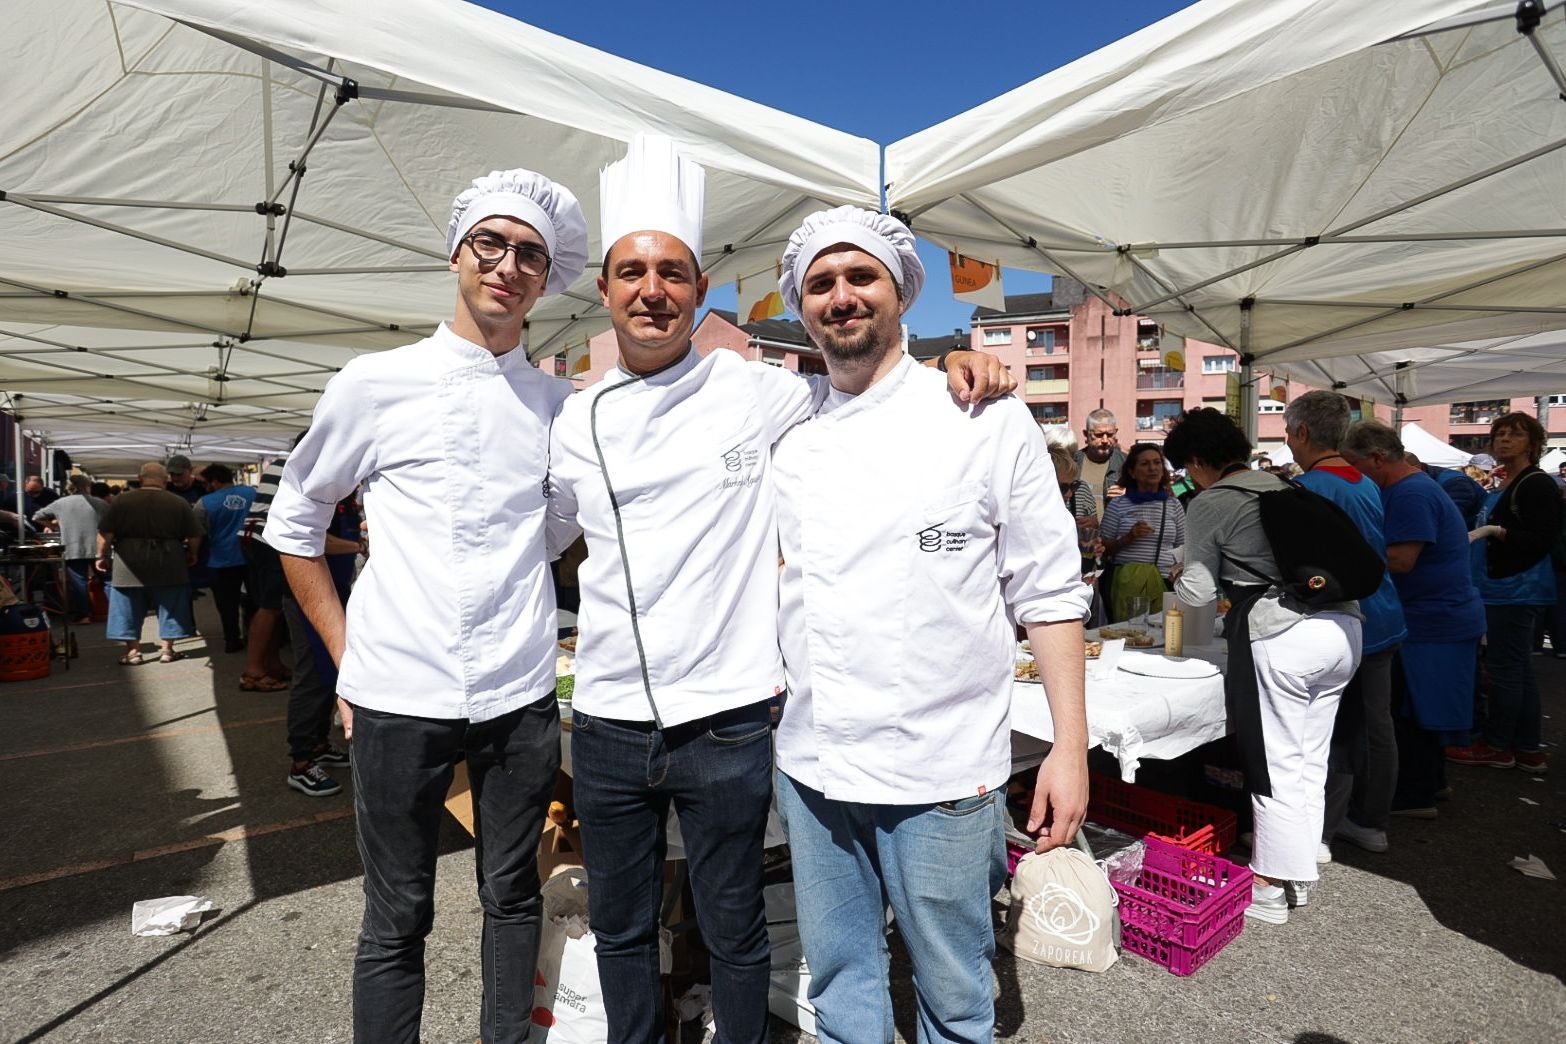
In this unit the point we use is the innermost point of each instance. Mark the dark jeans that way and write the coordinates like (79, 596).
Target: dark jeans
(1362, 764)
(228, 584)
(402, 767)
(717, 772)
(1512, 714)
(77, 572)
(312, 693)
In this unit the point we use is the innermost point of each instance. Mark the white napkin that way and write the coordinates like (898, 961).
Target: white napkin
(176, 913)
(1154, 665)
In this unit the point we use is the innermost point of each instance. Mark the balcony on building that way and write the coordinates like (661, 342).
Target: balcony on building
(1484, 412)
(1158, 377)
(1047, 379)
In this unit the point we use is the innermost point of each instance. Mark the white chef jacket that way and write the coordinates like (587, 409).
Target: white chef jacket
(454, 613)
(692, 511)
(909, 529)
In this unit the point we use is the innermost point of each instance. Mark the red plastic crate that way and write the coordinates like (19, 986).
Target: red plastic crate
(1184, 907)
(1138, 810)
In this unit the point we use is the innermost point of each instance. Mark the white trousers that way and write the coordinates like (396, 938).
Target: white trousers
(1301, 674)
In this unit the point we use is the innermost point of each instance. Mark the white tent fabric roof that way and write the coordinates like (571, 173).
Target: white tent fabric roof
(170, 160)
(1552, 460)
(1366, 176)
(1465, 371)
(1431, 450)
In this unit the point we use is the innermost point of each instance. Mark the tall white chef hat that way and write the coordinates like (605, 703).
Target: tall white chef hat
(881, 236)
(654, 189)
(527, 196)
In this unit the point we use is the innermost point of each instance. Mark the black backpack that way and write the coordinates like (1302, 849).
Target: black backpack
(1321, 554)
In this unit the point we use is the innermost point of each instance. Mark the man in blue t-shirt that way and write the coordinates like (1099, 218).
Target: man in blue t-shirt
(1362, 769)
(221, 513)
(1427, 555)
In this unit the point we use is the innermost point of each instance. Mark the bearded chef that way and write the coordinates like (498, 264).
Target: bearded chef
(447, 648)
(913, 535)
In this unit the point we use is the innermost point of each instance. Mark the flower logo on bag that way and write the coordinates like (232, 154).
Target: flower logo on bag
(1056, 910)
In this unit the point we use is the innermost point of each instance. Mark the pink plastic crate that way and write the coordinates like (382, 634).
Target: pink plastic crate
(1184, 907)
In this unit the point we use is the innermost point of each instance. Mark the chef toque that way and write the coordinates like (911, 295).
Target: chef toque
(550, 209)
(881, 236)
(653, 189)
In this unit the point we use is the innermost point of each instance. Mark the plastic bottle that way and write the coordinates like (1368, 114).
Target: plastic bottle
(1174, 632)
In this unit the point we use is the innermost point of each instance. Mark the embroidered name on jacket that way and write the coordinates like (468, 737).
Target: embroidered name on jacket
(740, 460)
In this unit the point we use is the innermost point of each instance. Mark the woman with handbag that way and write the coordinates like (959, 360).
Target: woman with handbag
(1141, 530)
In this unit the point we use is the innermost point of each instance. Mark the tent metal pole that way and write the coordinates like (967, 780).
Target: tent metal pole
(1248, 404)
(1548, 59)
(1328, 240)
(109, 226)
(1189, 309)
(1033, 244)
(1399, 399)
(21, 504)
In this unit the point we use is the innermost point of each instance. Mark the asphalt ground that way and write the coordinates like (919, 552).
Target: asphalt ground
(119, 784)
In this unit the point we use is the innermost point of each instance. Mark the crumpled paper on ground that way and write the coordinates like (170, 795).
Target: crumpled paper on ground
(175, 913)
(696, 1003)
(1532, 866)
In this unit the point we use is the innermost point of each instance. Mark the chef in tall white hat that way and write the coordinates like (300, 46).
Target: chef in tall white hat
(447, 647)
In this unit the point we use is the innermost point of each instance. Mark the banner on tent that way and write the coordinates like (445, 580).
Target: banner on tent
(976, 282)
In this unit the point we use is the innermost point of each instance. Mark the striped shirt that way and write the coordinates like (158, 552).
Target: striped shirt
(271, 475)
(1120, 514)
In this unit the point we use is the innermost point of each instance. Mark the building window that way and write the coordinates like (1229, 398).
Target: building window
(773, 357)
(560, 365)
(1159, 377)
(1158, 415)
(1057, 372)
(1220, 364)
(1049, 412)
(1558, 400)
(1269, 406)
(1147, 333)
(994, 335)
(1040, 337)
(1483, 412)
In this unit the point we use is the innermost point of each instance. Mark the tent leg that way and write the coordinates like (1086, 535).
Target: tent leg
(1248, 404)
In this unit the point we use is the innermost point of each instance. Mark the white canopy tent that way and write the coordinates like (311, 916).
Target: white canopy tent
(1429, 449)
(206, 208)
(1296, 179)
(1488, 368)
(1552, 460)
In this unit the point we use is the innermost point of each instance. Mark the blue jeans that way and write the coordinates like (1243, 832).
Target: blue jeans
(402, 768)
(717, 773)
(938, 866)
(128, 608)
(1512, 717)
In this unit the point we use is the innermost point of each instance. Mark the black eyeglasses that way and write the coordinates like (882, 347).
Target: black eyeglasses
(490, 250)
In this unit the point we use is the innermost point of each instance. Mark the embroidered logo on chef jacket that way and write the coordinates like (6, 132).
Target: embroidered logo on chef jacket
(740, 461)
(934, 539)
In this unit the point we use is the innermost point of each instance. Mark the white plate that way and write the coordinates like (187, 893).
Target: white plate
(1156, 665)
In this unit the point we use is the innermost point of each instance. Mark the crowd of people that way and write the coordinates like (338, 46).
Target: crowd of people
(1357, 707)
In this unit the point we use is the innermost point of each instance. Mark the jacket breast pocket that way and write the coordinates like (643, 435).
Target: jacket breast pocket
(946, 520)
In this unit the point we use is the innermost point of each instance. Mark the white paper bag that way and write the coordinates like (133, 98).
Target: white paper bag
(568, 1003)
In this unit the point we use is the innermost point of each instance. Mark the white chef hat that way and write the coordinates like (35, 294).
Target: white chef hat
(653, 189)
(881, 236)
(549, 208)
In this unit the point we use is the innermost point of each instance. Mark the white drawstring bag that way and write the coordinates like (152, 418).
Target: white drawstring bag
(1063, 911)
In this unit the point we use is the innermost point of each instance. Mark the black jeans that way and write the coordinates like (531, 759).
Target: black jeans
(717, 772)
(78, 571)
(402, 767)
(228, 584)
(310, 696)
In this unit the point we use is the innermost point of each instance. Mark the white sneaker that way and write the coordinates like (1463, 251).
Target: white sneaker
(1297, 893)
(1323, 854)
(1368, 838)
(1268, 904)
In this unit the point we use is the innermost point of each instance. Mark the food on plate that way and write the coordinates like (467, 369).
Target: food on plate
(1027, 670)
(569, 643)
(1092, 650)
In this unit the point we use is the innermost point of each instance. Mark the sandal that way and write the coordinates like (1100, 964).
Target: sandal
(131, 659)
(170, 657)
(262, 683)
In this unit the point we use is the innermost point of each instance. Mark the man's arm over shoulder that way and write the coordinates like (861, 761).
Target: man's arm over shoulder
(336, 454)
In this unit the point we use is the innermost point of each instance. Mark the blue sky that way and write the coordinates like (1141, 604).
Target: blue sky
(878, 70)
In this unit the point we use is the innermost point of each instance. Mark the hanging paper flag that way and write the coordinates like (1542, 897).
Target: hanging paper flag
(1279, 392)
(1231, 399)
(579, 359)
(1172, 347)
(758, 296)
(976, 282)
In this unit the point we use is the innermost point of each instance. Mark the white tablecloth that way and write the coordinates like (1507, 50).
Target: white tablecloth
(1133, 716)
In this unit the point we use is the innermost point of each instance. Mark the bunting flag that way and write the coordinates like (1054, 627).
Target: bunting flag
(1231, 399)
(976, 282)
(1279, 391)
(758, 295)
(578, 359)
(1171, 347)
